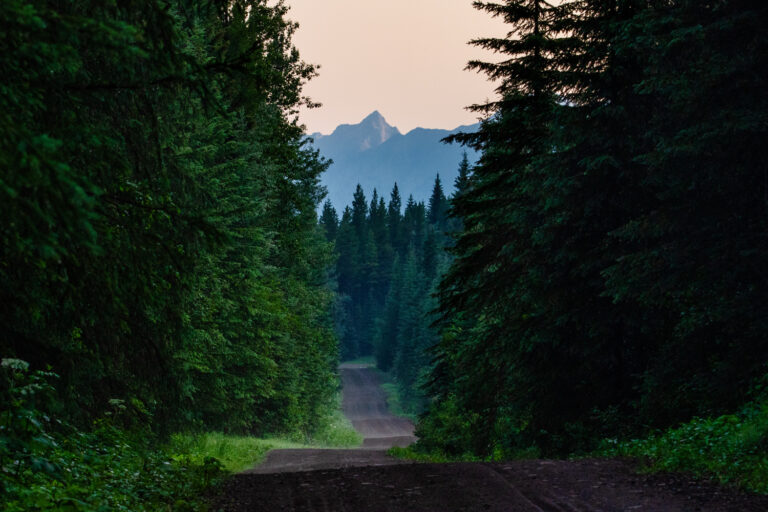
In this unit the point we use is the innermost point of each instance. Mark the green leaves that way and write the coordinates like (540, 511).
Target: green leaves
(158, 217)
(732, 448)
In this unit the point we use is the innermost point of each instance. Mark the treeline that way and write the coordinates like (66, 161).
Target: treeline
(158, 234)
(610, 278)
(390, 258)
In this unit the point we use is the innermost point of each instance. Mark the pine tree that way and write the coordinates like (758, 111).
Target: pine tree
(490, 279)
(414, 335)
(438, 205)
(384, 253)
(461, 183)
(692, 261)
(360, 215)
(394, 220)
(329, 221)
(413, 226)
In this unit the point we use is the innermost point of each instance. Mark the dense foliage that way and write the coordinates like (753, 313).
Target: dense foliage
(47, 464)
(159, 246)
(157, 212)
(733, 448)
(610, 276)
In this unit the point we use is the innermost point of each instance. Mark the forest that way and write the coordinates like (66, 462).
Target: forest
(161, 265)
(595, 284)
(389, 261)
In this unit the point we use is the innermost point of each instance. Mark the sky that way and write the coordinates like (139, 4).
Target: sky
(404, 58)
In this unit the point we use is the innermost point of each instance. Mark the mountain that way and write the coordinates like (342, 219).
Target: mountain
(377, 155)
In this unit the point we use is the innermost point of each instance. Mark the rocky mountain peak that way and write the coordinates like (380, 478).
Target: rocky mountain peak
(368, 133)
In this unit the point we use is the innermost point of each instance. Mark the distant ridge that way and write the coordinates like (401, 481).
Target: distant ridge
(370, 132)
(376, 155)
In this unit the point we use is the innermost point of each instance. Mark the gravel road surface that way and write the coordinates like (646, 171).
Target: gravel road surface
(365, 404)
(367, 480)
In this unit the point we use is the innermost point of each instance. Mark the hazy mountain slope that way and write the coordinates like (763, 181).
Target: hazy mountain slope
(376, 155)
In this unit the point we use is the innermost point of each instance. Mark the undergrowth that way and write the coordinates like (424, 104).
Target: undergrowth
(237, 453)
(47, 464)
(732, 448)
(394, 397)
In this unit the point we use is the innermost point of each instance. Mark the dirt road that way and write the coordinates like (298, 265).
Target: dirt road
(365, 404)
(366, 479)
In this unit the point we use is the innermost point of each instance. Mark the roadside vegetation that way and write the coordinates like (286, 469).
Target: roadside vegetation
(394, 399)
(732, 448)
(47, 463)
(237, 453)
(160, 249)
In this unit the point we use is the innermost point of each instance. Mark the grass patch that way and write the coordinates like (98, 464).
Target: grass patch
(337, 433)
(235, 453)
(238, 453)
(393, 400)
(732, 448)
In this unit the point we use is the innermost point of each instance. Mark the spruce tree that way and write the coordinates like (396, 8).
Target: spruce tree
(329, 221)
(490, 277)
(693, 260)
(394, 220)
(461, 183)
(438, 205)
(360, 215)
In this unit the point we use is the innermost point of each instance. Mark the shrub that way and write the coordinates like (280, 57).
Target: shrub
(47, 464)
(732, 448)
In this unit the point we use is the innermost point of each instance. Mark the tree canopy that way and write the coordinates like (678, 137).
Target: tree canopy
(608, 277)
(157, 212)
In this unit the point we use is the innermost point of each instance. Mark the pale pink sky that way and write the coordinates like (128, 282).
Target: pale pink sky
(404, 58)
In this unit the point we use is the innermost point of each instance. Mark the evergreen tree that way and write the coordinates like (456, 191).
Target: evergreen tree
(413, 226)
(691, 259)
(329, 221)
(360, 215)
(384, 253)
(414, 335)
(394, 220)
(491, 278)
(461, 183)
(438, 205)
(575, 308)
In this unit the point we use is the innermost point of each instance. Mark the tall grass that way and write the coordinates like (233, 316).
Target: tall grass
(237, 453)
